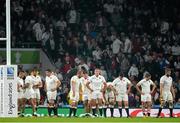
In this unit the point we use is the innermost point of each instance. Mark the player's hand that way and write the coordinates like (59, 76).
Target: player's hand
(142, 93)
(127, 92)
(91, 90)
(102, 90)
(54, 89)
(151, 92)
(116, 93)
(73, 94)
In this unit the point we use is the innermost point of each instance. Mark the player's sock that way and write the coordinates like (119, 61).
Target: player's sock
(94, 110)
(127, 111)
(100, 110)
(75, 110)
(70, 112)
(171, 112)
(105, 109)
(49, 111)
(112, 111)
(55, 111)
(120, 111)
(159, 113)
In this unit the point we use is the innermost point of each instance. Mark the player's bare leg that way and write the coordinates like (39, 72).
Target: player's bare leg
(73, 108)
(19, 106)
(86, 106)
(170, 102)
(93, 106)
(100, 106)
(126, 104)
(149, 108)
(120, 108)
(160, 108)
(111, 106)
(34, 106)
(23, 106)
(50, 106)
(143, 108)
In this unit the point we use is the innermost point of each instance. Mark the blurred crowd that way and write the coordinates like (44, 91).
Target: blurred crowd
(130, 36)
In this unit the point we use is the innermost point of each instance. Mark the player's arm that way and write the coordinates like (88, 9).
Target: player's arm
(18, 87)
(161, 86)
(73, 87)
(26, 85)
(154, 87)
(129, 88)
(87, 85)
(58, 82)
(104, 87)
(172, 91)
(45, 87)
(138, 88)
(113, 87)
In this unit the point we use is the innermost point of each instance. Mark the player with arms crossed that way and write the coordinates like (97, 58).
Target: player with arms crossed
(21, 90)
(29, 92)
(146, 92)
(98, 85)
(109, 98)
(75, 84)
(122, 86)
(36, 86)
(166, 91)
(51, 85)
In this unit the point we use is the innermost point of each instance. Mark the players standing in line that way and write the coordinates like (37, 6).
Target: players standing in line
(121, 84)
(51, 85)
(36, 86)
(109, 98)
(98, 85)
(166, 91)
(21, 97)
(86, 92)
(146, 92)
(75, 84)
(29, 92)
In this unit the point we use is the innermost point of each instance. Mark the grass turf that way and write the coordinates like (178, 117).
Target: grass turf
(97, 120)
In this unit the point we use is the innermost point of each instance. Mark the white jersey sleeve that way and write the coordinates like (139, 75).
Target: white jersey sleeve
(128, 81)
(55, 78)
(140, 82)
(162, 80)
(151, 82)
(28, 80)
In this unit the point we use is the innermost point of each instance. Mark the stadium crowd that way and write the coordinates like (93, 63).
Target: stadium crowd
(129, 36)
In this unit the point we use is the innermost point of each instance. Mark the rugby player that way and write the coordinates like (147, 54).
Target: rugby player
(75, 85)
(52, 84)
(122, 86)
(21, 90)
(98, 85)
(146, 92)
(167, 93)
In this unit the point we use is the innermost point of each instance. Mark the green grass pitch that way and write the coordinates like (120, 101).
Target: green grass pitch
(84, 120)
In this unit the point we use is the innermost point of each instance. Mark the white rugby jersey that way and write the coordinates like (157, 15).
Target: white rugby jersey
(20, 82)
(84, 87)
(97, 82)
(37, 80)
(145, 85)
(29, 79)
(167, 83)
(121, 85)
(51, 82)
(77, 81)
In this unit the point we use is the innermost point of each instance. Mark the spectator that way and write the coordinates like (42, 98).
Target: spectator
(133, 71)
